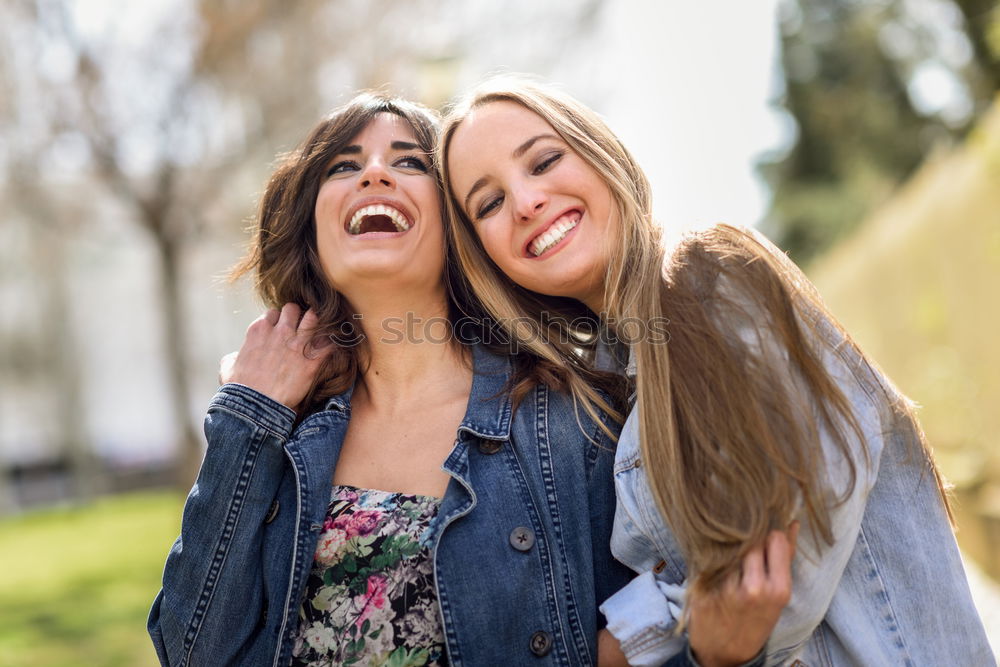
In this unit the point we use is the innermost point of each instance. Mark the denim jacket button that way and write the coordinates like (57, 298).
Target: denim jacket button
(489, 446)
(272, 512)
(522, 538)
(541, 643)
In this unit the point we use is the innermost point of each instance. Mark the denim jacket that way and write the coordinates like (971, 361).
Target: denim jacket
(890, 590)
(234, 579)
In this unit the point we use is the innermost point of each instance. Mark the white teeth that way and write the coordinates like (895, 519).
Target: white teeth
(553, 235)
(398, 219)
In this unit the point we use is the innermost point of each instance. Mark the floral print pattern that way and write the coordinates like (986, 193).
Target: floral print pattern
(370, 598)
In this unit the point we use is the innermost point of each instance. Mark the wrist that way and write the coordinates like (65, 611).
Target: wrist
(708, 659)
(267, 389)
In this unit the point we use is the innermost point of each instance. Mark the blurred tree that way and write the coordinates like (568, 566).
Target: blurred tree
(982, 22)
(43, 343)
(872, 87)
(41, 346)
(154, 126)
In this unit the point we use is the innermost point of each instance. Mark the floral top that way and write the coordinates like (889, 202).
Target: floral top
(370, 598)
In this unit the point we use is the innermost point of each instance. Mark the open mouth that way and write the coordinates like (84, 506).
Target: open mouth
(554, 233)
(377, 218)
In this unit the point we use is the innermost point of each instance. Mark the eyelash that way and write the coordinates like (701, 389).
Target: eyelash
(539, 168)
(549, 160)
(488, 206)
(418, 164)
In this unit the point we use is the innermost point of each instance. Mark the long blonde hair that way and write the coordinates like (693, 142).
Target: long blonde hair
(730, 451)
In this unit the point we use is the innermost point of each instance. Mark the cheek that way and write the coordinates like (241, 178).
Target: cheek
(326, 243)
(332, 195)
(324, 211)
(494, 246)
(327, 258)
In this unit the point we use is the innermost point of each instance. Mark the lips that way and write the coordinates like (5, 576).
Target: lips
(377, 215)
(552, 233)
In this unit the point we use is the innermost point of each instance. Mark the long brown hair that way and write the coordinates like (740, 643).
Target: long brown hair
(283, 257)
(729, 438)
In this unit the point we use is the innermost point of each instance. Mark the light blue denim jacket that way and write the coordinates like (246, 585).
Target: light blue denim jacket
(891, 590)
(234, 579)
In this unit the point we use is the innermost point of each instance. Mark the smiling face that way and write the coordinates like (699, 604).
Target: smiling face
(378, 211)
(543, 215)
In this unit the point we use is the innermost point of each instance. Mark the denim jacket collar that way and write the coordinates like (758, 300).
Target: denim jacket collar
(489, 411)
(341, 402)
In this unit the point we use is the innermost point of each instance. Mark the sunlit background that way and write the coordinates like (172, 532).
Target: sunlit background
(862, 136)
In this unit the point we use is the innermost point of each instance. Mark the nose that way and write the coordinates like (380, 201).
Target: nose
(376, 172)
(529, 202)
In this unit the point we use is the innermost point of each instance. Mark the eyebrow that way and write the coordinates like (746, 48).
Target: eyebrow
(523, 148)
(518, 152)
(476, 187)
(355, 149)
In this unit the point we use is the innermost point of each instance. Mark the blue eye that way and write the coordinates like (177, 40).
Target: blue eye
(412, 162)
(341, 167)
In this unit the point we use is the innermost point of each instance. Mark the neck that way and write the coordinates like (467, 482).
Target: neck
(410, 352)
(595, 302)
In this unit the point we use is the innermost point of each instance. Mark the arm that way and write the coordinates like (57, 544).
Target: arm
(648, 636)
(219, 549)
(729, 627)
(609, 574)
(818, 566)
(643, 614)
(212, 580)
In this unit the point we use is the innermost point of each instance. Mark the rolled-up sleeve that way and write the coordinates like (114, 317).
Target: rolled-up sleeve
(642, 616)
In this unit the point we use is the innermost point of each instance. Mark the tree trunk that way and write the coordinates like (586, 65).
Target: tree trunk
(88, 473)
(189, 449)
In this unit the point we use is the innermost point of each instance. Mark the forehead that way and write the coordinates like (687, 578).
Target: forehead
(385, 128)
(495, 126)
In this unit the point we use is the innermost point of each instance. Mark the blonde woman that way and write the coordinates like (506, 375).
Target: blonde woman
(753, 406)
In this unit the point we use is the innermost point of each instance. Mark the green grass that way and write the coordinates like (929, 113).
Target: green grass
(76, 582)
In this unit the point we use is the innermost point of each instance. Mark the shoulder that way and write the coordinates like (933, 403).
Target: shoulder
(725, 260)
(737, 273)
(756, 296)
(730, 281)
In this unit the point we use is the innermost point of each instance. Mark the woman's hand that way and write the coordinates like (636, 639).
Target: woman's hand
(609, 651)
(731, 625)
(271, 359)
